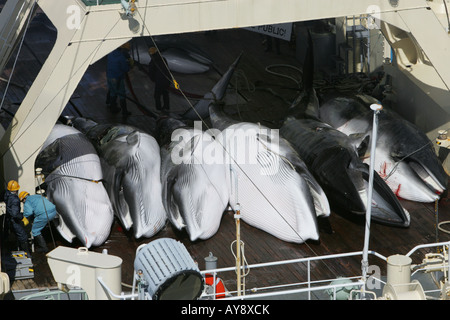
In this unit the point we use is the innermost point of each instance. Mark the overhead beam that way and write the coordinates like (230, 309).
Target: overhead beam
(157, 17)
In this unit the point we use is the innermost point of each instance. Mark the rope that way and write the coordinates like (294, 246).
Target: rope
(298, 83)
(73, 177)
(398, 162)
(244, 262)
(17, 56)
(224, 148)
(46, 213)
(12, 145)
(190, 104)
(442, 229)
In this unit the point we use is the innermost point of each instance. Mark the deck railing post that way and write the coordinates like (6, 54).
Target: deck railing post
(365, 263)
(309, 279)
(238, 248)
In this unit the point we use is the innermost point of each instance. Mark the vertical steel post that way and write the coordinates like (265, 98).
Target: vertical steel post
(436, 216)
(365, 264)
(237, 217)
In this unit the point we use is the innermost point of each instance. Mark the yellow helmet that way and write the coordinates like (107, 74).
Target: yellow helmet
(126, 45)
(23, 195)
(13, 185)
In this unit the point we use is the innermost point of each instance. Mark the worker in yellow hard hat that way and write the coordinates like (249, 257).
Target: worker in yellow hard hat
(43, 211)
(152, 50)
(126, 46)
(14, 217)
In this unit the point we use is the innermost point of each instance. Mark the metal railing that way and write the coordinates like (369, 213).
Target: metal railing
(355, 287)
(74, 294)
(100, 2)
(307, 286)
(357, 283)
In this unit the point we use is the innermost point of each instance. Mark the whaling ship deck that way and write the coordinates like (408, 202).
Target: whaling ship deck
(254, 95)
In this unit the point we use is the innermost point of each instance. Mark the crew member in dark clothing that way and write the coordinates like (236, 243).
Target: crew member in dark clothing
(118, 64)
(160, 75)
(269, 44)
(14, 216)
